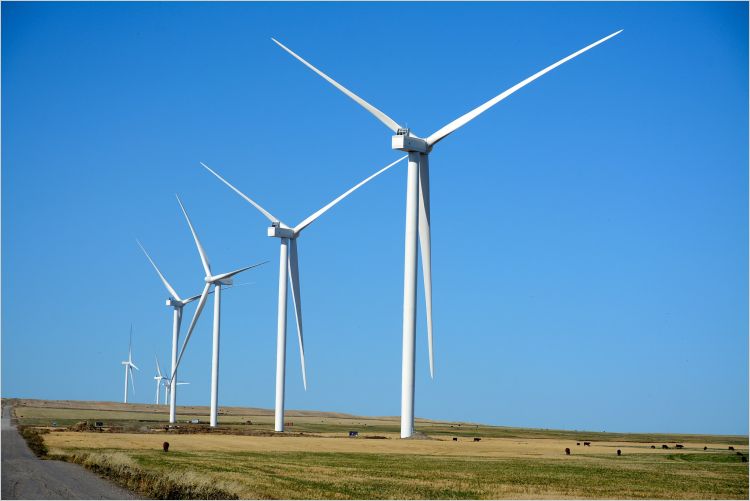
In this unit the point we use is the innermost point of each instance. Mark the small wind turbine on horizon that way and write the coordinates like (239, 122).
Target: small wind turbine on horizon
(289, 265)
(160, 380)
(129, 366)
(217, 281)
(167, 388)
(418, 215)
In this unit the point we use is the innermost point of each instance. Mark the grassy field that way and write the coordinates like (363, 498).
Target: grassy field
(318, 460)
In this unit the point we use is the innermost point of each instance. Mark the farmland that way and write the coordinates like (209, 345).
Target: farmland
(317, 459)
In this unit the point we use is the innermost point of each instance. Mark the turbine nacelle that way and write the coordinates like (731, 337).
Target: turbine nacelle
(218, 280)
(174, 303)
(406, 142)
(279, 231)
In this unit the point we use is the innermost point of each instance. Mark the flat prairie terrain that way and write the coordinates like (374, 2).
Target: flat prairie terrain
(317, 459)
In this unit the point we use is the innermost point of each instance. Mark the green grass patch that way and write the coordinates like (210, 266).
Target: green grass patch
(34, 440)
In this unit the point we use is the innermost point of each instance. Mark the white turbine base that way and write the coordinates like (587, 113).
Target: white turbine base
(281, 336)
(215, 358)
(410, 297)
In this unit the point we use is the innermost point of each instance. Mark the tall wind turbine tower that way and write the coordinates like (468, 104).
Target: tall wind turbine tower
(217, 281)
(177, 304)
(289, 264)
(418, 215)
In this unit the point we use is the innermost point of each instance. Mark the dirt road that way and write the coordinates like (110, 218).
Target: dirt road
(24, 476)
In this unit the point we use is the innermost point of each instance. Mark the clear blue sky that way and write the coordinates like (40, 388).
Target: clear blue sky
(590, 233)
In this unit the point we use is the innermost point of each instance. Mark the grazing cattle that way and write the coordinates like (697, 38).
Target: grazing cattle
(567, 451)
(679, 446)
(653, 447)
(587, 443)
(731, 448)
(477, 439)
(619, 452)
(578, 443)
(744, 459)
(705, 448)
(165, 446)
(665, 447)
(455, 439)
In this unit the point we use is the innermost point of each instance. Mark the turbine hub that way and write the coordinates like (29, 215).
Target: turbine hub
(173, 303)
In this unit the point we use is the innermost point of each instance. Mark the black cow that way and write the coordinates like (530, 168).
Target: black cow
(705, 448)
(567, 451)
(619, 452)
(731, 448)
(587, 443)
(578, 443)
(665, 447)
(679, 446)
(477, 439)
(165, 446)
(455, 439)
(653, 447)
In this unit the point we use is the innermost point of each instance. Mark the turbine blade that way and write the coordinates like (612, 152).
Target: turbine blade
(134, 366)
(181, 383)
(158, 369)
(425, 246)
(164, 280)
(304, 224)
(294, 279)
(388, 121)
(196, 315)
(132, 379)
(235, 272)
(193, 298)
(468, 117)
(252, 202)
(204, 258)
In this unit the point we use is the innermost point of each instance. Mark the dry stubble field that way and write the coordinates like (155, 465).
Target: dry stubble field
(318, 460)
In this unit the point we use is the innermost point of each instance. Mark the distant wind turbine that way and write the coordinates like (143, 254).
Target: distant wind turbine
(217, 281)
(177, 303)
(418, 215)
(289, 264)
(160, 380)
(129, 366)
(167, 387)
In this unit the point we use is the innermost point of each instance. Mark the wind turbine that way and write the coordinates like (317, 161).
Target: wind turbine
(217, 281)
(129, 366)
(167, 388)
(160, 380)
(177, 303)
(418, 215)
(289, 264)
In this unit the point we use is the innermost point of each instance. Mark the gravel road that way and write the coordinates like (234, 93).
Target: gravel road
(24, 476)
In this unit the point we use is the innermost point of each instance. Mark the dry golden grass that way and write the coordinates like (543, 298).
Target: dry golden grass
(506, 463)
(486, 448)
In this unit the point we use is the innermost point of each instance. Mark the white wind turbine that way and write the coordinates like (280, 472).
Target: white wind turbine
(418, 216)
(160, 380)
(217, 281)
(167, 388)
(129, 366)
(177, 304)
(289, 264)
